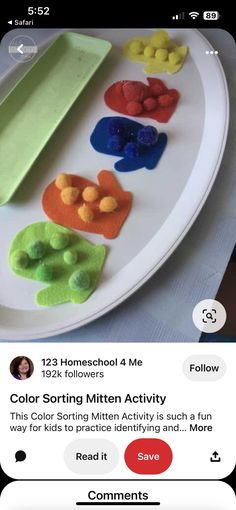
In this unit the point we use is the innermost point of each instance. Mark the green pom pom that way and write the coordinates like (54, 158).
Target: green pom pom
(19, 259)
(44, 273)
(36, 250)
(70, 257)
(59, 241)
(79, 280)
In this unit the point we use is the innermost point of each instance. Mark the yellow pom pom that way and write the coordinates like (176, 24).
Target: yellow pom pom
(85, 213)
(160, 39)
(149, 51)
(174, 57)
(69, 195)
(63, 181)
(108, 204)
(90, 194)
(161, 55)
(136, 47)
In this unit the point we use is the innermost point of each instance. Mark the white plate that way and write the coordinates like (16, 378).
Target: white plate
(166, 201)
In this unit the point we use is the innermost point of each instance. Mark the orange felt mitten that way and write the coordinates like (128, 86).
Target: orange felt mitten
(102, 220)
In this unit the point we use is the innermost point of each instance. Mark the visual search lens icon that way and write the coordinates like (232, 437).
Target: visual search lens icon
(209, 315)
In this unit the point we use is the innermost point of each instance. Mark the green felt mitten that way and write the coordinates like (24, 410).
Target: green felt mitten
(49, 253)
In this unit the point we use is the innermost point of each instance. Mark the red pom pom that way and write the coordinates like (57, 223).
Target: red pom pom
(135, 91)
(134, 108)
(149, 104)
(156, 90)
(165, 100)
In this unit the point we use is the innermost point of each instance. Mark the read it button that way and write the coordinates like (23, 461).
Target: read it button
(91, 456)
(148, 456)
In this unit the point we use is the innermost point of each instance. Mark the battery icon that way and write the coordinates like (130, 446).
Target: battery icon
(211, 15)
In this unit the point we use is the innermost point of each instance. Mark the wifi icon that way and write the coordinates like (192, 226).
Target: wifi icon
(194, 14)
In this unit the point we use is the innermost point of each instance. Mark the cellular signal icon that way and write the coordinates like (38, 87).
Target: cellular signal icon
(181, 15)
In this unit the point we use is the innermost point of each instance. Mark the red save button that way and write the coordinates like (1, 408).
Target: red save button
(148, 456)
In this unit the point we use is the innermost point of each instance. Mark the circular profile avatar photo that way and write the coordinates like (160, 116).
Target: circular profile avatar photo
(21, 368)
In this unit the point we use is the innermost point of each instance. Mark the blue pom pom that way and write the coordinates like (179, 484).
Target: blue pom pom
(147, 136)
(116, 127)
(115, 143)
(131, 150)
(131, 136)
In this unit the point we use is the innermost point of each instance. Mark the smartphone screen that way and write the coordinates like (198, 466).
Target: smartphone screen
(118, 262)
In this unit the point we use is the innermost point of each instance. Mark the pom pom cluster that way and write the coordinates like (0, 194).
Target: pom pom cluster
(159, 48)
(35, 255)
(141, 98)
(90, 194)
(132, 145)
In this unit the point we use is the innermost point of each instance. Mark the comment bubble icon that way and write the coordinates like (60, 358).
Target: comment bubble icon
(20, 456)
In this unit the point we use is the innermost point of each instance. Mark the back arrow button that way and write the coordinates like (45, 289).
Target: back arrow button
(19, 49)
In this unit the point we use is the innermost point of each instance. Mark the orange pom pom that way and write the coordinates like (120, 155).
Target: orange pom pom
(85, 213)
(63, 181)
(90, 194)
(108, 204)
(69, 195)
